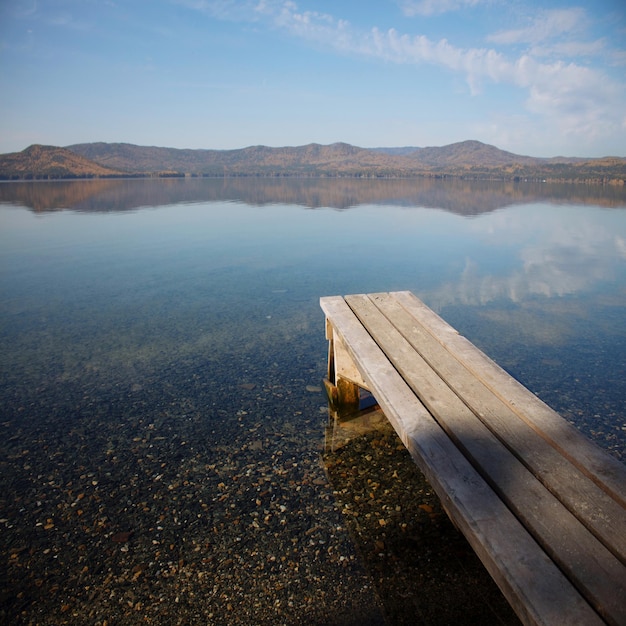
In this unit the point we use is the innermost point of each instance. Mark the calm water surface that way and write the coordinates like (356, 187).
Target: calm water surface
(161, 352)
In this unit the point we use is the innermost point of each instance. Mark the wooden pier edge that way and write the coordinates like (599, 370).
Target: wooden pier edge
(605, 470)
(513, 545)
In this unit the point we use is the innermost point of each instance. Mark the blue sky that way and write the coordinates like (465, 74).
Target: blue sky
(538, 78)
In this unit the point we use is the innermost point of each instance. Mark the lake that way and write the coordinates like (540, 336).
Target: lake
(163, 421)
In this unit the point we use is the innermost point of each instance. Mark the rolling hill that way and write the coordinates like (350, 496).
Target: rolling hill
(309, 160)
(466, 159)
(50, 162)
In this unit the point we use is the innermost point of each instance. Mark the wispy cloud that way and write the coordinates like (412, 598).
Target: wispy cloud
(229, 10)
(32, 11)
(545, 26)
(476, 64)
(311, 25)
(557, 33)
(24, 8)
(68, 21)
(434, 7)
(576, 99)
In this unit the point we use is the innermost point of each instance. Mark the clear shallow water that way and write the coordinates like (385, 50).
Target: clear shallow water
(163, 339)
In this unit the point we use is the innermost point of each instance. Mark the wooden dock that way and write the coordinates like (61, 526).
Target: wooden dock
(543, 507)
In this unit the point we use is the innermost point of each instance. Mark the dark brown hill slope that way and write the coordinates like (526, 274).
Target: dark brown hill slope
(45, 162)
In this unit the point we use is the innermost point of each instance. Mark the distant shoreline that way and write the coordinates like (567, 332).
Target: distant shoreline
(467, 160)
(581, 180)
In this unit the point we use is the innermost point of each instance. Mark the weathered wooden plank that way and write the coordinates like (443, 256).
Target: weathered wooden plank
(536, 589)
(601, 514)
(607, 472)
(595, 571)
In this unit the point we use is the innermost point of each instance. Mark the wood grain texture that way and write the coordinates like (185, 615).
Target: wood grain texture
(549, 530)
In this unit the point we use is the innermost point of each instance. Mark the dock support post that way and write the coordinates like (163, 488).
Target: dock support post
(347, 397)
(343, 380)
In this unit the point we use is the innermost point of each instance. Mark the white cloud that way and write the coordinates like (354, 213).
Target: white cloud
(476, 64)
(70, 22)
(570, 49)
(23, 9)
(228, 10)
(573, 99)
(546, 25)
(311, 25)
(434, 7)
(558, 33)
(578, 100)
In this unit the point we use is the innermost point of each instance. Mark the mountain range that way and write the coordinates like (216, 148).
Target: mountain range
(466, 159)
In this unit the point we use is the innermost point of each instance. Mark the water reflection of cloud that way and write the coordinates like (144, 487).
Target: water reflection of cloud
(531, 252)
(532, 326)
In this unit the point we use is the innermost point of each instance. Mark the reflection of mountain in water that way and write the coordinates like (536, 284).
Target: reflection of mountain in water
(457, 196)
